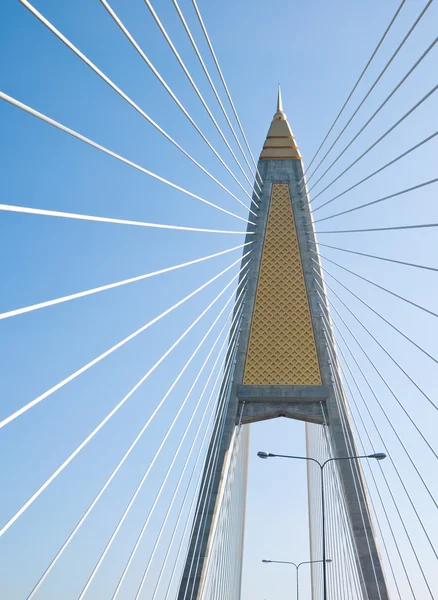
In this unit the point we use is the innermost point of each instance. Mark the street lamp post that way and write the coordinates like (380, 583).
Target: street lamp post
(297, 567)
(377, 456)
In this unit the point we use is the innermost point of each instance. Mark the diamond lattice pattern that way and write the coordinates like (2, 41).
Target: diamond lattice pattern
(281, 347)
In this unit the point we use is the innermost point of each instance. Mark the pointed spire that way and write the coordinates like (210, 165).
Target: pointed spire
(279, 100)
(280, 143)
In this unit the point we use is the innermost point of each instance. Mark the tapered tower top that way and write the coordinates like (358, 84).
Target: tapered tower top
(279, 100)
(280, 143)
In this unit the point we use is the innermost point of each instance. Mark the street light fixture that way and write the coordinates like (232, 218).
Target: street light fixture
(297, 567)
(263, 454)
(376, 456)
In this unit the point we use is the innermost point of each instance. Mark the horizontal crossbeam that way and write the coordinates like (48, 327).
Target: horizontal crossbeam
(301, 402)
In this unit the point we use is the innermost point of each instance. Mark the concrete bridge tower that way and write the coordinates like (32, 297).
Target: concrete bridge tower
(282, 366)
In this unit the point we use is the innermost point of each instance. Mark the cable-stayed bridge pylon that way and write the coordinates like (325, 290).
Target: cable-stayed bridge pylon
(285, 366)
(133, 441)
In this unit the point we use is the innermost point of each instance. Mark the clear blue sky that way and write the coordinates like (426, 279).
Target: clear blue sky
(316, 51)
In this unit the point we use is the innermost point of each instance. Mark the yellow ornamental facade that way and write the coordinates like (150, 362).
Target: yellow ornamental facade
(282, 348)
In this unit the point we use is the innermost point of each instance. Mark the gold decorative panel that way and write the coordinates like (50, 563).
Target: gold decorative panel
(281, 348)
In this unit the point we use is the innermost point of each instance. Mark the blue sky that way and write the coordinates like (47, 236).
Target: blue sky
(316, 50)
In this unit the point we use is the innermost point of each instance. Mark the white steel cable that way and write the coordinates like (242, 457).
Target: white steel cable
(198, 93)
(91, 363)
(176, 453)
(122, 94)
(355, 85)
(224, 520)
(151, 557)
(227, 544)
(138, 48)
(192, 578)
(408, 455)
(216, 62)
(373, 229)
(229, 523)
(355, 469)
(225, 370)
(376, 112)
(217, 521)
(374, 84)
(389, 454)
(162, 401)
(209, 463)
(207, 429)
(213, 87)
(396, 194)
(221, 510)
(219, 438)
(377, 171)
(336, 516)
(374, 144)
(122, 159)
(184, 499)
(348, 533)
(342, 407)
(77, 216)
(109, 286)
(388, 354)
(420, 348)
(376, 485)
(94, 502)
(68, 460)
(389, 486)
(215, 578)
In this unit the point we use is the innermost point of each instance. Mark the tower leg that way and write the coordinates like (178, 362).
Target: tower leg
(212, 489)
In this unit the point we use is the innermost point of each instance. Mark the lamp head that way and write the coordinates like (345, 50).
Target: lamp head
(266, 561)
(378, 456)
(264, 454)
